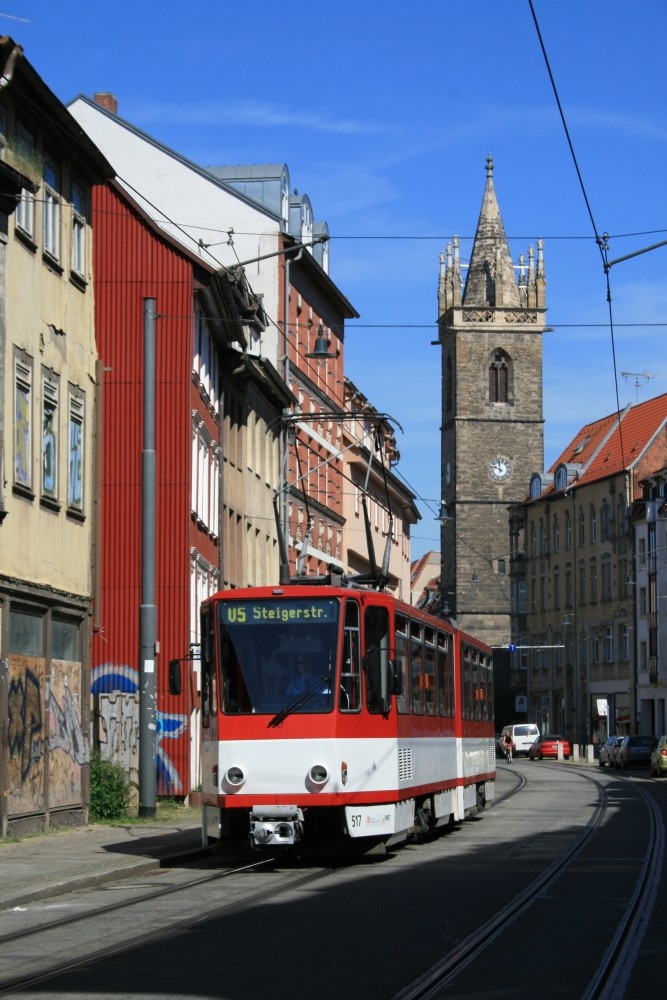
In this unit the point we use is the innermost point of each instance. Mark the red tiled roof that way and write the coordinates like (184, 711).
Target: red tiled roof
(616, 442)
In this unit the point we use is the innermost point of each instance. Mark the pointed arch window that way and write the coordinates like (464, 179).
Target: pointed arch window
(498, 378)
(448, 383)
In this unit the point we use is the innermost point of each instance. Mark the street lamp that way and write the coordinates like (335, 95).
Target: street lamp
(320, 353)
(443, 513)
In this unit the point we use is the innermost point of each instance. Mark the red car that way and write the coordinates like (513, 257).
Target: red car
(547, 746)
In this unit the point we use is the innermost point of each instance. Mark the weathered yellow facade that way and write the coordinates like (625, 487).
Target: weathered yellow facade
(47, 439)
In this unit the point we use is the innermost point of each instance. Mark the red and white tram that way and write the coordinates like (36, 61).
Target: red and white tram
(334, 712)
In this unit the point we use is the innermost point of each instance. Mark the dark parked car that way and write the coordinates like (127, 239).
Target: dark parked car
(547, 746)
(634, 751)
(607, 750)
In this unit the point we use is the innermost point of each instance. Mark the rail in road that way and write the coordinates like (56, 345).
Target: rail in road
(509, 903)
(615, 965)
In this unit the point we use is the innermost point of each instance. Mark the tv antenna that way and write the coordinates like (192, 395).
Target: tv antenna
(640, 378)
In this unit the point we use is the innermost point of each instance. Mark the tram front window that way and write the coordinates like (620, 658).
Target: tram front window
(277, 654)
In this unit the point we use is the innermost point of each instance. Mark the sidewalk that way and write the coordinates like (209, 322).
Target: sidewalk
(54, 863)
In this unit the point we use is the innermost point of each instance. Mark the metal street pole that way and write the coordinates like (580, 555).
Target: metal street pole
(148, 609)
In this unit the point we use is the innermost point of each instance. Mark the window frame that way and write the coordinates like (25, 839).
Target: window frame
(24, 215)
(51, 213)
(50, 396)
(76, 454)
(23, 419)
(78, 234)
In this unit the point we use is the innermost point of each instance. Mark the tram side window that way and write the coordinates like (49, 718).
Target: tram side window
(445, 675)
(378, 653)
(430, 689)
(467, 684)
(477, 687)
(402, 666)
(489, 690)
(417, 668)
(208, 687)
(349, 695)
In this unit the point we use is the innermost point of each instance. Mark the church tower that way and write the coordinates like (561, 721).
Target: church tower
(492, 426)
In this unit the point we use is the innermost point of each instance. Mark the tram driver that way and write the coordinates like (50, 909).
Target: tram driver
(306, 679)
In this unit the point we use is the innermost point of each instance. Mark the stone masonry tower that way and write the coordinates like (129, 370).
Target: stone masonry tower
(492, 425)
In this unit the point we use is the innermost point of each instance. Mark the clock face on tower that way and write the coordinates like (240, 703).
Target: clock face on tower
(500, 468)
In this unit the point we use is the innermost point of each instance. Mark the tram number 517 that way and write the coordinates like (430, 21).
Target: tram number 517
(356, 821)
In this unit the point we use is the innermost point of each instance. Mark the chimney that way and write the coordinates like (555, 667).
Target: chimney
(106, 100)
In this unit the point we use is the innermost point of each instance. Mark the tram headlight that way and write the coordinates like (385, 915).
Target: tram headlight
(235, 776)
(318, 775)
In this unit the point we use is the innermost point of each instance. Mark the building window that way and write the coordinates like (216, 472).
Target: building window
(448, 384)
(78, 230)
(594, 581)
(594, 525)
(605, 522)
(568, 531)
(533, 542)
(556, 535)
(51, 209)
(26, 633)
(582, 581)
(65, 644)
(23, 421)
(501, 567)
(642, 600)
(205, 478)
(596, 647)
(25, 210)
(582, 526)
(569, 597)
(609, 644)
(75, 450)
(50, 436)
(498, 378)
(556, 589)
(605, 565)
(543, 538)
(623, 644)
(521, 597)
(205, 362)
(641, 552)
(560, 479)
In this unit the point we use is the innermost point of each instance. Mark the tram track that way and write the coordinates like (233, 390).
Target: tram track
(616, 963)
(40, 932)
(247, 893)
(163, 927)
(88, 915)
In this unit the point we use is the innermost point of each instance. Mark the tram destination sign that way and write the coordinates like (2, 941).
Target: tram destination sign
(267, 612)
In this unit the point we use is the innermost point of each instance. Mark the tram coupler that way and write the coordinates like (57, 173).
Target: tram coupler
(275, 826)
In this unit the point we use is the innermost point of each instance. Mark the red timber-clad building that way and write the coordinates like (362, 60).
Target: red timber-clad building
(203, 316)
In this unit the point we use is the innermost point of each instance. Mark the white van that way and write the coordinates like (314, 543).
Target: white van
(523, 736)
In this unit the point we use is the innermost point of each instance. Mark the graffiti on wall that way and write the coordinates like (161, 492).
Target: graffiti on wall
(26, 736)
(68, 746)
(117, 688)
(44, 732)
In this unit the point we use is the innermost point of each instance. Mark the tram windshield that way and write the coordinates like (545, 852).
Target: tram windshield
(277, 655)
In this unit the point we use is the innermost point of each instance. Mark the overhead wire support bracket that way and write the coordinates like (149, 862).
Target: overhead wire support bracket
(628, 256)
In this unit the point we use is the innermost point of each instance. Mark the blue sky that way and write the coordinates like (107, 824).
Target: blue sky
(385, 112)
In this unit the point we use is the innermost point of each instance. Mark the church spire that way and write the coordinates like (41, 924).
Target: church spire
(490, 281)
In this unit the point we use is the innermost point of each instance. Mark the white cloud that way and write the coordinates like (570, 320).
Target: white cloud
(257, 114)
